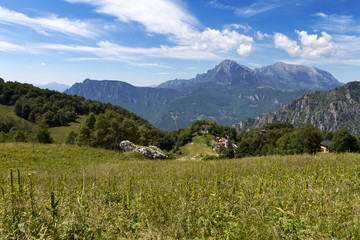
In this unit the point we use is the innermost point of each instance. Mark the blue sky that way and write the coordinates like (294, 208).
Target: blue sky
(146, 42)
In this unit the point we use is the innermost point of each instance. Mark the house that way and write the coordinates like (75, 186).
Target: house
(205, 128)
(325, 146)
(221, 143)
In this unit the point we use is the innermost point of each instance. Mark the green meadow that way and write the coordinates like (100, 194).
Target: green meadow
(72, 192)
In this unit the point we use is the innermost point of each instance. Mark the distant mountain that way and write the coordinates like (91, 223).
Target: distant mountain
(288, 76)
(228, 93)
(326, 110)
(144, 101)
(54, 86)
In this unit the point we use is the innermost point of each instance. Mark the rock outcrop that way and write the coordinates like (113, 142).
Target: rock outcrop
(151, 152)
(326, 110)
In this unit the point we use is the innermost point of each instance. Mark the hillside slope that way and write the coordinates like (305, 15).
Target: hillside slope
(326, 110)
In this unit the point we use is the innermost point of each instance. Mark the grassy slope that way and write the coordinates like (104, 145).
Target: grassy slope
(9, 111)
(107, 195)
(199, 147)
(57, 133)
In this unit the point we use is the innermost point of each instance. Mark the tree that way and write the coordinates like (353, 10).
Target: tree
(304, 140)
(42, 134)
(71, 137)
(20, 136)
(90, 121)
(309, 139)
(343, 141)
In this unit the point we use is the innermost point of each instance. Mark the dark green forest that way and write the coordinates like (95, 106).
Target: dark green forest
(105, 126)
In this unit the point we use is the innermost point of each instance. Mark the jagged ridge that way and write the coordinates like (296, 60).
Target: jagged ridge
(326, 110)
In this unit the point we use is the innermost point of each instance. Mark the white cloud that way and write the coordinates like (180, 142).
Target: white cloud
(10, 47)
(310, 45)
(257, 7)
(314, 46)
(110, 51)
(170, 18)
(262, 36)
(224, 40)
(157, 16)
(337, 23)
(46, 25)
(283, 42)
(244, 27)
(244, 49)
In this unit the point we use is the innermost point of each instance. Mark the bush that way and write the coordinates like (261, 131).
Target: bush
(210, 157)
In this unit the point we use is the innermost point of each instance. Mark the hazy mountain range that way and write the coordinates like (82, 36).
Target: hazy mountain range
(54, 86)
(227, 94)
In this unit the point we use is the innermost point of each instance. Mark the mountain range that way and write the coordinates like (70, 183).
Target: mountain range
(227, 94)
(326, 110)
(54, 86)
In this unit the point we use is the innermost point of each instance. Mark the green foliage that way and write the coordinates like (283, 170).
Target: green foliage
(42, 134)
(210, 157)
(278, 138)
(21, 136)
(305, 139)
(71, 137)
(343, 141)
(105, 126)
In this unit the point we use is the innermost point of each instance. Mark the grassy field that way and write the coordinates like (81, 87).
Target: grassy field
(71, 192)
(59, 133)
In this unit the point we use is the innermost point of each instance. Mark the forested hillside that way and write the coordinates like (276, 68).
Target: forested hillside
(42, 108)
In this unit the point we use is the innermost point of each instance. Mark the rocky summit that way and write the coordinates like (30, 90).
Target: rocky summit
(227, 94)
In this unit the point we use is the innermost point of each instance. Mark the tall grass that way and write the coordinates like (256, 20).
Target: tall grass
(62, 192)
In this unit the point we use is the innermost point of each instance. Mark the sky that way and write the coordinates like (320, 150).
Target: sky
(147, 42)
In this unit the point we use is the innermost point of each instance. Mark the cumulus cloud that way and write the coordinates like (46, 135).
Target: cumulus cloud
(283, 42)
(224, 40)
(46, 25)
(315, 46)
(309, 46)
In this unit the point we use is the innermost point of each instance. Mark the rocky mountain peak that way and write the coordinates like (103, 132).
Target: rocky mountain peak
(230, 66)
